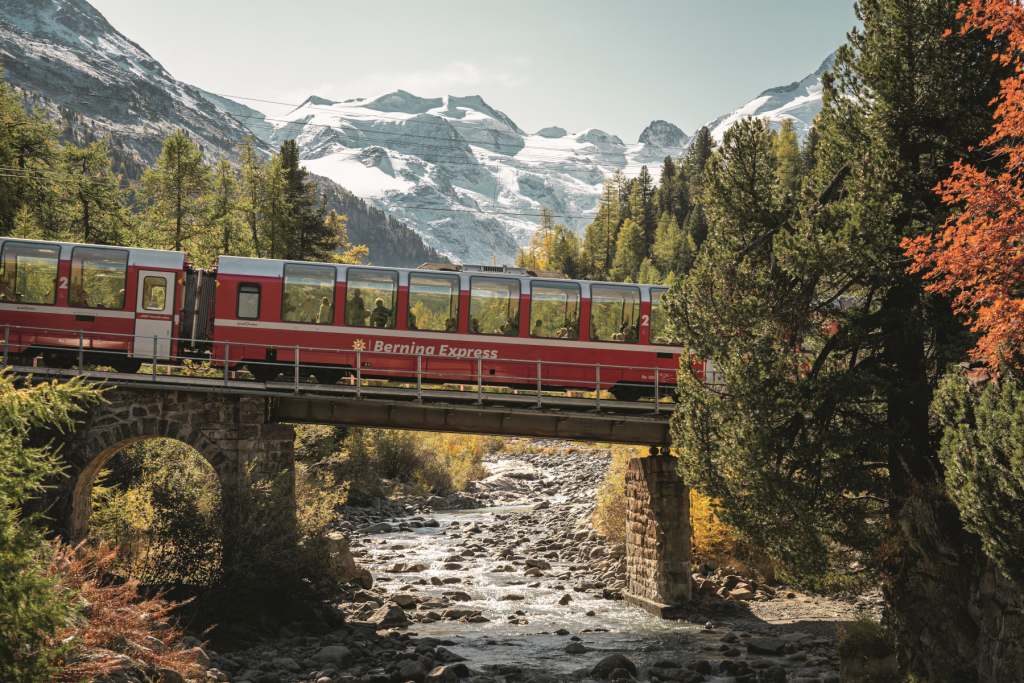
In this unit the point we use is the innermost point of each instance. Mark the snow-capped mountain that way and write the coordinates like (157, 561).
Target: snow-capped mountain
(69, 62)
(798, 102)
(459, 171)
(470, 180)
(73, 62)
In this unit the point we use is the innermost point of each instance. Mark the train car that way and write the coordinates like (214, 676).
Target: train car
(107, 305)
(118, 306)
(487, 325)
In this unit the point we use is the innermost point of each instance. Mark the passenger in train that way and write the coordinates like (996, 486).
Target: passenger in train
(381, 315)
(538, 328)
(324, 313)
(509, 328)
(474, 326)
(451, 325)
(412, 320)
(355, 311)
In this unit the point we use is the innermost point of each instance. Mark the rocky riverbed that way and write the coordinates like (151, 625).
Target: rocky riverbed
(509, 582)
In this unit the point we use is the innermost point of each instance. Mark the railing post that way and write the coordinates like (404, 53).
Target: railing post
(538, 382)
(597, 386)
(359, 373)
(227, 359)
(657, 391)
(7, 337)
(479, 380)
(295, 362)
(81, 351)
(419, 376)
(153, 363)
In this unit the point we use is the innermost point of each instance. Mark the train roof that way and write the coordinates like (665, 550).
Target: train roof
(137, 256)
(259, 267)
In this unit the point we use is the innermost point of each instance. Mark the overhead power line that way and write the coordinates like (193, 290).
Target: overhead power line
(23, 173)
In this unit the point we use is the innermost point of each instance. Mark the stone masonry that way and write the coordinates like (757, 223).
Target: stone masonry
(253, 459)
(657, 536)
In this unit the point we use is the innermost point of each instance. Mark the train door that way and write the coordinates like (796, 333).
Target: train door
(154, 314)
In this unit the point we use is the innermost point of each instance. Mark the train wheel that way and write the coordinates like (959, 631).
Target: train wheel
(328, 375)
(125, 364)
(263, 372)
(630, 393)
(59, 361)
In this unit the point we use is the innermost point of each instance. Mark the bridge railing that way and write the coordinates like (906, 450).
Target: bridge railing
(79, 348)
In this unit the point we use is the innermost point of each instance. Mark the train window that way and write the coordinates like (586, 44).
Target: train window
(433, 302)
(494, 306)
(308, 294)
(98, 277)
(659, 318)
(555, 310)
(614, 313)
(154, 293)
(370, 297)
(29, 273)
(248, 301)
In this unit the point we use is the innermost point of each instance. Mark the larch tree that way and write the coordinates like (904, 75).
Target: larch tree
(629, 251)
(173, 192)
(227, 231)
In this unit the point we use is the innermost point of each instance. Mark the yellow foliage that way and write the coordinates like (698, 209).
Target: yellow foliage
(609, 517)
(712, 539)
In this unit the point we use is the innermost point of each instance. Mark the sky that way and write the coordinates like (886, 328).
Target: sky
(572, 63)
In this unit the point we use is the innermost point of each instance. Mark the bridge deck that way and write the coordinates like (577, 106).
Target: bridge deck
(441, 410)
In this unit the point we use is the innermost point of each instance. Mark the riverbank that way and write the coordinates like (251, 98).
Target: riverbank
(516, 586)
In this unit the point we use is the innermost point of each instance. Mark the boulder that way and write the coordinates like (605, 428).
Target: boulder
(388, 616)
(766, 646)
(341, 566)
(332, 654)
(604, 668)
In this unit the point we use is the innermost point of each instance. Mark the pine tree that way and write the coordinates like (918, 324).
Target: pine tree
(830, 350)
(790, 167)
(629, 252)
(308, 238)
(600, 235)
(173, 192)
(641, 204)
(698, 153)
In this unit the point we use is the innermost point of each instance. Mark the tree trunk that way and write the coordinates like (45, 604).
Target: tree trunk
(949, 614)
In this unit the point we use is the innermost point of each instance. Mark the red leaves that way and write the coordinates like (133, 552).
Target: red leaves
(977, 257)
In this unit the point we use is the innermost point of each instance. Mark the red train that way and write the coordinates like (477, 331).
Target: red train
(119, 306)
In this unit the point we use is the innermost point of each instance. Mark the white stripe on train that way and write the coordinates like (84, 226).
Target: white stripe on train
(444, 336)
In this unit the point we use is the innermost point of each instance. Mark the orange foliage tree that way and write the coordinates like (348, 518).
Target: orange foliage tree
(977, 257)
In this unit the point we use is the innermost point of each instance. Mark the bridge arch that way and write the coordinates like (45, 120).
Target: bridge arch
(247, 452)
(106, 446)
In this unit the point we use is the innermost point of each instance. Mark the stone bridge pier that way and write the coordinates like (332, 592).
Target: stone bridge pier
(657, 536)
(252, 457)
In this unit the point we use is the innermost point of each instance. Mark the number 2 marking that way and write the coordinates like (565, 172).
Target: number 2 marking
(645, 320)
(63, 283)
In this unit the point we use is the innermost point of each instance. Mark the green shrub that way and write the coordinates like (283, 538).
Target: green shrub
(165, 520)
(33, 606)
(982, 450)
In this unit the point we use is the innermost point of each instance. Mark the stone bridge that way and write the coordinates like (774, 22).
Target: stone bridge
(251, 451)
(252, 457)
